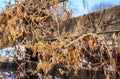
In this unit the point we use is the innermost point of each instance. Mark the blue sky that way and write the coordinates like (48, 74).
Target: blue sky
(76, 5)
(78, 8)
(3, 3)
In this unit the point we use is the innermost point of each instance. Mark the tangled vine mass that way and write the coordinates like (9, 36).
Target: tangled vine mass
(35, 25)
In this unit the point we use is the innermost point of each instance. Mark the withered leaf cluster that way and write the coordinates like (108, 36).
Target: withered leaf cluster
(35, 24)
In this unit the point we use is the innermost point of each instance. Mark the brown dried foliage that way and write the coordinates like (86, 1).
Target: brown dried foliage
(32, 24)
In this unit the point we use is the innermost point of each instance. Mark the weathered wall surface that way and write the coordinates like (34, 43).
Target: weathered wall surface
(82, 73)
(105, 20)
